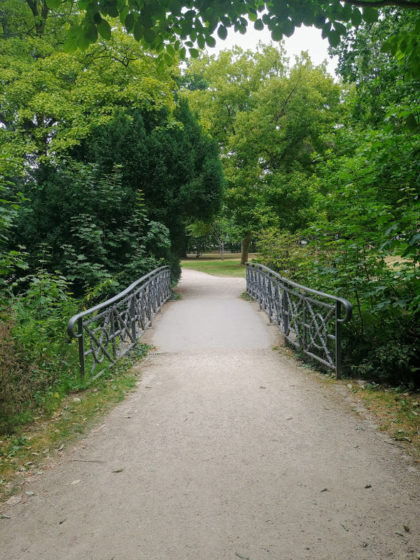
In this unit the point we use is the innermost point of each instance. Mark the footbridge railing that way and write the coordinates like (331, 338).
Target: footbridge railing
(308, 319)
(106, 332)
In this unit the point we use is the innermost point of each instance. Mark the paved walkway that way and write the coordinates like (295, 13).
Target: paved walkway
(226, 451)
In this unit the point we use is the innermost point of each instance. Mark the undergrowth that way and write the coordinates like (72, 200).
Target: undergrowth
(38, 365)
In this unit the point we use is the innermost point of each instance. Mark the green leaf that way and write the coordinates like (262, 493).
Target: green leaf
(259, 25)
(334, 38)
(347, 12)
(123, 14)
(149, 35)
(53, 4)
(340, 28)
(288, 28)
(194, 53)
(168, 59)
(356, 17)
(91, 33)
(390, 45)
(211, 41)
(370, 15)
(104, 29)
(222, 32)
(111, 8)
(138, 30)
(170, 50)
(129, 22)
(72, 40)
(411, 122)
(277, 34)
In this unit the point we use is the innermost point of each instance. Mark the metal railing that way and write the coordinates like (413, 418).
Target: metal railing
(109, 330)
(308, 319)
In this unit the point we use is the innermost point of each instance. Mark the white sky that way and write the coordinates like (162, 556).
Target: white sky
(304, 39)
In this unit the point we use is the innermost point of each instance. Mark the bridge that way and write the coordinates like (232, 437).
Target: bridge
(228, 448)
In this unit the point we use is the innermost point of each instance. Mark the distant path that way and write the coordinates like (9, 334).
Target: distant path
(226, 451)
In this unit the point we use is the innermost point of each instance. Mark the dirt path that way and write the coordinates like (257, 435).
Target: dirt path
(226, 451)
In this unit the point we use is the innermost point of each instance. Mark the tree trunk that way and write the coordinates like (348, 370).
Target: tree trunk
(245, 249)
(222, 250)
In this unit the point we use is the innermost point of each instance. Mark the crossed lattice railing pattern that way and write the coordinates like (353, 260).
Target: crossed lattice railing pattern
(108, 331)
(310, 320)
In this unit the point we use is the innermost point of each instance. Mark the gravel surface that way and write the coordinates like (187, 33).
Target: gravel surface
(227, 450)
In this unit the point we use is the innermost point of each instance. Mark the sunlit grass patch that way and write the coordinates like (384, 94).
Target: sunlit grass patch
(227, 267)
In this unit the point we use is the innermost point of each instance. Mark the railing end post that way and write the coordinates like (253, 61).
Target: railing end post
(338, 355)
(81, 348)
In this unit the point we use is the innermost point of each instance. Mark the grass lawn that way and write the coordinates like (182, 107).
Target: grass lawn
(216, 267)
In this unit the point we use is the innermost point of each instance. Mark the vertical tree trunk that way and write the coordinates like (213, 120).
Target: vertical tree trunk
(245, 249)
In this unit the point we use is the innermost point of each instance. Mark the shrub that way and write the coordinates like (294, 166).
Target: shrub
(37, 364)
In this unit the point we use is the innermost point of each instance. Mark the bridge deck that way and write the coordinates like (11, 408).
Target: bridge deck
(227, 450)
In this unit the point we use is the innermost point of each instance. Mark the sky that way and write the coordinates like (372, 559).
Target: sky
(304, 39)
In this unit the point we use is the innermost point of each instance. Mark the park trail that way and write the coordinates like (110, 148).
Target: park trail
(227, 450)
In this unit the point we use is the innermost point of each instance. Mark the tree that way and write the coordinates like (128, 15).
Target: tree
(170, 159)
(67, 117)
(384, 86)
(232, 80)
(273, 125)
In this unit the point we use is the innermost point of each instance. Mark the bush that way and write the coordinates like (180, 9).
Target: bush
(37, 364)
(380, 341)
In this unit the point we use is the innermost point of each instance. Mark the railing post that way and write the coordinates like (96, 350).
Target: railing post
(285, 306)
(338, 339)
(304, 337)
(132, 312)
(81, 348)
(114, 347)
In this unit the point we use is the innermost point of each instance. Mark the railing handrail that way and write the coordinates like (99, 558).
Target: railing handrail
(309, 319)
(346, 304)
(72, 322)
(107, 331)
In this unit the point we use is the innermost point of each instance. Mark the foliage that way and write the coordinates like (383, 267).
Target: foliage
(272, 123)
(89, 227)
(285, 253)
(385, 91)
(36, 360)
(364, 247)
(171, 25)
(221, 233)
(51, 100)
(175, 165)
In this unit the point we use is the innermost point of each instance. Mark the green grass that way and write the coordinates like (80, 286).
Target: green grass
(397, 412)
(227, 267)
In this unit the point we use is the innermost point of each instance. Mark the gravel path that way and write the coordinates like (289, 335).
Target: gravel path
(227, 450)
